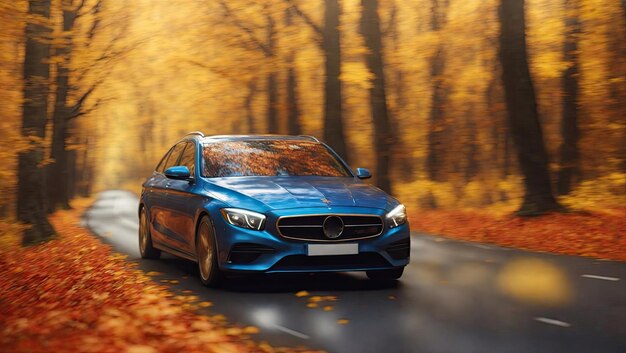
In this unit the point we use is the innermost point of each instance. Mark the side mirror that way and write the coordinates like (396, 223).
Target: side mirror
(363, 173)
(179, 172)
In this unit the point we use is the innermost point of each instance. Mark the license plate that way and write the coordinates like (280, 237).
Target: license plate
(332, 249)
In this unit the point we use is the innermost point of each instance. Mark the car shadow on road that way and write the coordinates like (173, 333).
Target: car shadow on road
(278, 282)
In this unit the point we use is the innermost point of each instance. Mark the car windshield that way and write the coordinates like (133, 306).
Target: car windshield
(270, 158)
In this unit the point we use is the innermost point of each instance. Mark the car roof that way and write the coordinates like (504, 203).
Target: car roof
(221, 138)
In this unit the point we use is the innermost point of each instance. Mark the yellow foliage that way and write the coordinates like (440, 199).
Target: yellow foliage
(605, 191)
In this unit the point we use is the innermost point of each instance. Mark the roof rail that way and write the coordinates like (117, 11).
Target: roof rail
(199, 133)
(310, 137)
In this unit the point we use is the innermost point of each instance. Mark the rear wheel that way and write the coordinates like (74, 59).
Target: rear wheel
(145, 239)
(206, 254)
(385, 275)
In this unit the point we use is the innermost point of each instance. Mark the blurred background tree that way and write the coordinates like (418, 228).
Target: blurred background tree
(411, 89)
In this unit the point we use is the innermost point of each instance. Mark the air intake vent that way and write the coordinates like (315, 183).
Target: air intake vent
(400, 249)
(318, 227)
(245, 253)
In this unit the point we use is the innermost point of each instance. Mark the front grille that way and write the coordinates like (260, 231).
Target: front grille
(400, 249)
(333, 262)
(245, 253)
(310, 228)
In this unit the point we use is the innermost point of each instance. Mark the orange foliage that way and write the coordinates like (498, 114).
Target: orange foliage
(73, 294)
(599, 235)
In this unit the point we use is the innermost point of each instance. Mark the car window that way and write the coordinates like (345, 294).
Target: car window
(172, 160)
(161, 164)
(188, 158)
(270, 158)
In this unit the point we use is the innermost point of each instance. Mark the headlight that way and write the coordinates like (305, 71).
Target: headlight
(243, 218)
(397, 216)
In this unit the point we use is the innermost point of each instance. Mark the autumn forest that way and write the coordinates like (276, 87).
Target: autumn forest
(451, 103)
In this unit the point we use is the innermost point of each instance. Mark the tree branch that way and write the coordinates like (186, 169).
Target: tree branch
(77, 9)
(91, 109)
(262, 46)
(95, 10)
(317, 29)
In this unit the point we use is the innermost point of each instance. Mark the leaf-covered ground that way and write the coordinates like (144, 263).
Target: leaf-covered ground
(593, 234)
(72, 294)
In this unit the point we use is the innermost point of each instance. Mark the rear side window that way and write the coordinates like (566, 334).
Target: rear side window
(174, 155)
(188, 159)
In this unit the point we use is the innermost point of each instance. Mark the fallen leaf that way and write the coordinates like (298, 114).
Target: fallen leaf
(140, 349)
(250, 330)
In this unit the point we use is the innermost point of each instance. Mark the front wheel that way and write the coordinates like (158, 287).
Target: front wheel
(385, 275)
(145, 239)
(206, 253)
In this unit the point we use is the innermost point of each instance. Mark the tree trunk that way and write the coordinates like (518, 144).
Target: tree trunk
(522, 111)
(472, 168)
(437, 129)
(30, 180)
(370, 30)
(83, 185)
(272, 84)
(617, 87)
(272, 101)
(248, 105)
(293, 109)
(333, 121)
(71, 178)
(58, 170)
(569, 169)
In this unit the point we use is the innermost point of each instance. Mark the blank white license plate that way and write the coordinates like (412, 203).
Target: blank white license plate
(332, 249)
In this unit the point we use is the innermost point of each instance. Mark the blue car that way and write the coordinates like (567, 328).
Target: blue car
(267, 204)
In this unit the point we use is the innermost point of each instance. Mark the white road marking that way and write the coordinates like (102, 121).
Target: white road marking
(554, 322)
(291, 332)
(604, 278)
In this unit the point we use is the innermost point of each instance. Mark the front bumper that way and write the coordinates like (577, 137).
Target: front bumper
(243, 250)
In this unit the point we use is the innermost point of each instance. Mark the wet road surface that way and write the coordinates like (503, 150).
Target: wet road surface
(454, 297)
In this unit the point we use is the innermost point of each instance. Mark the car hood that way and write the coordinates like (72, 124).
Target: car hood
(297, 192)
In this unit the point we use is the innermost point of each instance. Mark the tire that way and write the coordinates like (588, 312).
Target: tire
(206, 254)
(385, 275)
(145, 238)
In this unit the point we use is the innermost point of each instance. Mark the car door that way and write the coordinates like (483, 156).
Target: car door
(160, 227)
(183, 201)
(153, 190)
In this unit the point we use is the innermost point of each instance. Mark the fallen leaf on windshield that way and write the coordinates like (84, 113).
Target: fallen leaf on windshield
(312, 305)
(302, 293)
(328, 308)
(343, 321)
(205, 304)
(154, 273)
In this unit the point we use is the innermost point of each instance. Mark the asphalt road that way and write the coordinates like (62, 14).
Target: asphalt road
(454, 297)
